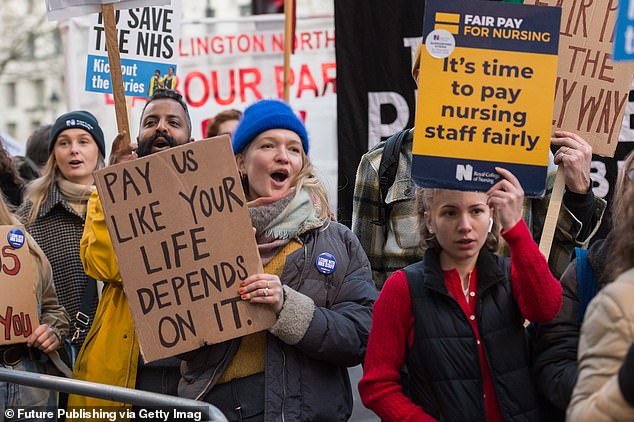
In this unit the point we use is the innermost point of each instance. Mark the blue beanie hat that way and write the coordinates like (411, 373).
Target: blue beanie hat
(262, 116)
(77, 119)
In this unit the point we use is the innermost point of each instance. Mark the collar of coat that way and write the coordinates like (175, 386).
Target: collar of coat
(487, 266)
(54, 197)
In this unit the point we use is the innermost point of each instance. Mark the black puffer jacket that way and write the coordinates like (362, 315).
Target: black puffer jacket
(555, 343)
(306, 376)
(449, 387)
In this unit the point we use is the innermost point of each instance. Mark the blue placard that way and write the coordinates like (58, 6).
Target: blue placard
(624, 35)
(137, 75)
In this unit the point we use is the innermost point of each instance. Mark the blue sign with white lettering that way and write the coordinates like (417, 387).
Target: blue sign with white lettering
(624, 35)
(138, 76)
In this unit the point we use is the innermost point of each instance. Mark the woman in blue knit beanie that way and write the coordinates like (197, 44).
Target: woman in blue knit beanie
(316, 278)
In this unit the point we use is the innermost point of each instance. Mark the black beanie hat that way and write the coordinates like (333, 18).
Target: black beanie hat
(77, 119)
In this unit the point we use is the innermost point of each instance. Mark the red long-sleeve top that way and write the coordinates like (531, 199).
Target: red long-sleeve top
(535, 290)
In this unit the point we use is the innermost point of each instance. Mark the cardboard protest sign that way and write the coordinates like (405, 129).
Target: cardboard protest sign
(591, 91)
(147, 39)
(62, 9)
(18, 282)
(182, 235)
(487, 77)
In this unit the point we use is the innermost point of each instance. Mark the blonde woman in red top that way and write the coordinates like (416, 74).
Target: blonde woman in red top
(456, 318)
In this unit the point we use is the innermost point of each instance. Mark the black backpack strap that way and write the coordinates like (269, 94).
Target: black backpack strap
(82, 318)
(387, 172)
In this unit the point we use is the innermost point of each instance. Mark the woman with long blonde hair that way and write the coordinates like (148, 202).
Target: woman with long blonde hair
(55, 204)
(316, 279)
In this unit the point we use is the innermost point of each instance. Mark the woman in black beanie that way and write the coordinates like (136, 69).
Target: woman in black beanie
(54, 208)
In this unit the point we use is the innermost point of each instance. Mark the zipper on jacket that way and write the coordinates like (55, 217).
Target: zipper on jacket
(213, 375)
(486, 356)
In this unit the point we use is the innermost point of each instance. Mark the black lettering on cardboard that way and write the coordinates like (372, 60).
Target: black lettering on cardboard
(110, 179)
(218, 318)
(148, 303)
(234, 308)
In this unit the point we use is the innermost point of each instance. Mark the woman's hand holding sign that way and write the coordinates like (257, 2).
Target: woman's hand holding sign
(576, 155)
(506, 198)
(121, 150)
(263, 288)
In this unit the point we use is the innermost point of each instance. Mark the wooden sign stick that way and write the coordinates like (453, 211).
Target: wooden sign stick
(114, 59)
(550, 222)
(288, 43)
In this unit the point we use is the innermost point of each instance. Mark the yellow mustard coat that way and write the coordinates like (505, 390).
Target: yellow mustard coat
(111, 351)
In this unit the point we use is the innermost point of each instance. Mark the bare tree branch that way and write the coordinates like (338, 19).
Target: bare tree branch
(18, 31)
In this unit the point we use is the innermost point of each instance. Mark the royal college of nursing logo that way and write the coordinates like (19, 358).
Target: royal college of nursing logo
(464, 172)
(81, 123)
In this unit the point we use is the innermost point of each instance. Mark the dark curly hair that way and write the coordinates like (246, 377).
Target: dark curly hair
(7, 166)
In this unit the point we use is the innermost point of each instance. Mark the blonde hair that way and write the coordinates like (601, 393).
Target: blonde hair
(622, 246)
(306, 178)
(37, 190)
(424, 203)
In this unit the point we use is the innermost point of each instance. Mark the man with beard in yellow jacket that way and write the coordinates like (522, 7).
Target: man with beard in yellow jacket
(110, 354)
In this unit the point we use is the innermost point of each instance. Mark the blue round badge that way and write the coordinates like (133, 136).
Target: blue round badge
(326, 263)
(16, 238)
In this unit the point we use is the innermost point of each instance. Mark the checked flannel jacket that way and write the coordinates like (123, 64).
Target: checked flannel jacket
(402, 245)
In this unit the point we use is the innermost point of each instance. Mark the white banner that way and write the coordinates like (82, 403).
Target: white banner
(63, 9)
(148, 39)
(231, 64)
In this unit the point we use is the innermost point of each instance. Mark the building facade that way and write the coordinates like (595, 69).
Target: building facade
(32, 80)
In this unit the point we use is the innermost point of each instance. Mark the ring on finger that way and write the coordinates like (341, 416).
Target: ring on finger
(266, 291)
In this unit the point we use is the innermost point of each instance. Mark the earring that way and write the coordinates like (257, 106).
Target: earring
(430, 231)
(490, 224)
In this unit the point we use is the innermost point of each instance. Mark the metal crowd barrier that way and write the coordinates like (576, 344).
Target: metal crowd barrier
(140, 398)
